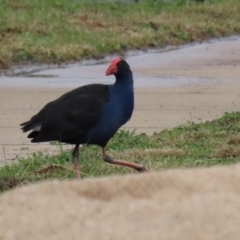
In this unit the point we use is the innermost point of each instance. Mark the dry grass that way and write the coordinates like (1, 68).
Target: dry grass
(227, 152)
(143, 153)
(234, 139)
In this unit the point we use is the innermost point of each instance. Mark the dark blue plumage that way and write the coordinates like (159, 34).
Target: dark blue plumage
(116, 112)
(90, 114)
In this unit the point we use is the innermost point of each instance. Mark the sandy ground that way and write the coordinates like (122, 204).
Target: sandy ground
(193, 204)
(194, 83)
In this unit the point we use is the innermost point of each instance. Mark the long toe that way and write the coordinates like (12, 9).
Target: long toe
(142, 169)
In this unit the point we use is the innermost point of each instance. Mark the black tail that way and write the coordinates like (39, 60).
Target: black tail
(38, 136)
(26, 126)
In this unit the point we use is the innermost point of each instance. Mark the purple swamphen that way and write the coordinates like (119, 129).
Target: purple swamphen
(90, 114)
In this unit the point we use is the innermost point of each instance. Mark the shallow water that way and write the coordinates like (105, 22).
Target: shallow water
(156, 68)
(75, 82)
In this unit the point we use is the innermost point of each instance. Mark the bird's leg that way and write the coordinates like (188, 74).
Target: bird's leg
(75, 154)
(109, 159)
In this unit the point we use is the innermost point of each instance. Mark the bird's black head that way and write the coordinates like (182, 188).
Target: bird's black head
(118, 67)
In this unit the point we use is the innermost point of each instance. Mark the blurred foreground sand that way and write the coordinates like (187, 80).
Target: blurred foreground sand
(199, 204)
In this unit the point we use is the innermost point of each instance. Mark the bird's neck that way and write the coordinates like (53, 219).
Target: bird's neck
(124, 79)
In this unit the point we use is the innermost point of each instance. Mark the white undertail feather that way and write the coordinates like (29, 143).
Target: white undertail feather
(37, 128)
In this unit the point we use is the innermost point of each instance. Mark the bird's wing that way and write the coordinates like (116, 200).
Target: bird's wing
(71, 115)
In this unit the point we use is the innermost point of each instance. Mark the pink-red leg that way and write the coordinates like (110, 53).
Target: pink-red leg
(108, 159)
(76, 161)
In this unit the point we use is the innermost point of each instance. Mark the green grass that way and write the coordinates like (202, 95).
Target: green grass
(193, 145)
(62, 31)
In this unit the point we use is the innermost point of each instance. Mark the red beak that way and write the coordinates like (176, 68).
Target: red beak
(112, 69)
